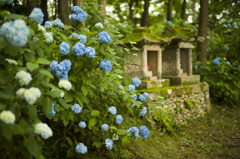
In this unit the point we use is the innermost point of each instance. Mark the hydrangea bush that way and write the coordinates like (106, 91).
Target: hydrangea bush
(63, 90)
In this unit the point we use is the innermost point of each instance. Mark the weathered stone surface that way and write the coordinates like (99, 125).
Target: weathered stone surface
(146, 84)
(183, 80)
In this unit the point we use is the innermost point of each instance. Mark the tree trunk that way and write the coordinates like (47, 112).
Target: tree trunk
(43, 6)
(56, 9)
(202, 31)
(131, 10)
(169, 10)
(63, 11)
(101, 8)
(78, 3)
(193, 11)
(32, 4)
(183, 16)
(145, 17)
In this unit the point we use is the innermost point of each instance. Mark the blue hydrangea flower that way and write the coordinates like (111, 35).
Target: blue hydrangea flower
(119, 87)
(82, 38)
(36, 39)
(58, 22)
(112, 110)
(53, 110)
(37, 15)
(228, 63)
(143, 112)
(144, 132)
(169, 22)
(105, 65)
(79, 15)
(142, 98)
(61, 70)
(109, 143)
(135, 131)
(79, 49)
(145, 94)
(76, 9)
(76, 108)
(81, 148)
(136, 81)
(104, 37)
(90, 52)
(216, 61)
(131, 87)
(15, 32)
(134, 96)
(48, 25)
(105, 127)
(74, 35)
(196, 67)
(64, 48)
(118, 119)
(82, 124)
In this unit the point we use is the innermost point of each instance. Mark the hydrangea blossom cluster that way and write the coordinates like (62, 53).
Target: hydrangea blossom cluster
(82, 38)
(24, 78)
(90, 51)
(11, 61)
(105, 127)
(134, 96)
(115, 137)
(64, 48)
(131, 87)
(216, 61)
(61, 70)
(7, 1)
(143, 112)
(79, 15)
(118, 119)
(7, 117)
(228, 63)
(104, 37)
(48, 24)
(119, 87)
(30, 95)
(81, 148)
(145, 94)
(99, 25)
(142, 98)
(65, 84)
(76, 108)
(37, 15)
(112, 110)
(57, 22)
(169, 22)
(144, 132)
(105, 65)
(82, 124)
(79, 49)
(53, 112)
(136, 81)
(135, 131)
(109, 143)
(41, 28)
(48, 36)
(44, 130)
(15, 32)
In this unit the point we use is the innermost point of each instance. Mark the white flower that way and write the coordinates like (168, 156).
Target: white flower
(11, 61)
(7, 117)
(48, 36)
(99, 25)
(20, 92)
(65, 84)
(23, 77)
(44, 130)
(169, 91)
(31, 95)
(62, 94)
(41, 28)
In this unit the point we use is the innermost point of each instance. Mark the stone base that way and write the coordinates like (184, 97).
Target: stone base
(147, 84)
(184, 80)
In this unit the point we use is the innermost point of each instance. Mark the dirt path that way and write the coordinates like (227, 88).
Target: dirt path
(215, 136)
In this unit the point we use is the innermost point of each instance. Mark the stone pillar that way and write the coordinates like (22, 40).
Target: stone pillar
(159, 63)
(189, 62)
(178, 64)
(144, 62)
